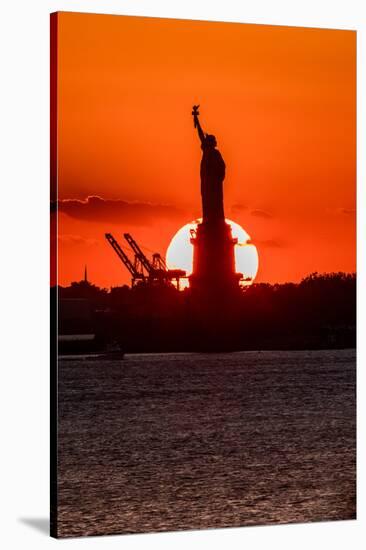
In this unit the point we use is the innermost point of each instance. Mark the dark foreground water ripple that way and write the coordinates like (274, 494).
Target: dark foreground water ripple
(191, 441)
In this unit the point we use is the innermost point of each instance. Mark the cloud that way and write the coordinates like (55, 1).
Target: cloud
(261, 214)
(77, 240)
(347, 211)
(97, 209)
(269, 243)
(238, 208)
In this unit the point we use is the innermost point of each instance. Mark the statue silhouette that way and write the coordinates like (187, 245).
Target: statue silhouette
(212, 175)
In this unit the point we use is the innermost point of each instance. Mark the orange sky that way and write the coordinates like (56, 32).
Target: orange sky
(280, 100)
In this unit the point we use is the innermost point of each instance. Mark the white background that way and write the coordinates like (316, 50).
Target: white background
(24, 284)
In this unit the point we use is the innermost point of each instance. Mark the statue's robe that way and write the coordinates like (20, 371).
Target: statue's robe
(212, 177)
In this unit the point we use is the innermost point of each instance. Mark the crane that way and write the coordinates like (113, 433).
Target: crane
(157, 269)
(138, 252)
(158, 262)
(142, 269)
(137, 274)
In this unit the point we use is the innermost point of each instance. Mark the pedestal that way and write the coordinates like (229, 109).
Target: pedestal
(213, 259)
(215, 294)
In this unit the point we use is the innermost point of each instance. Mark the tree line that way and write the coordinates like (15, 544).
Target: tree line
(318, 312)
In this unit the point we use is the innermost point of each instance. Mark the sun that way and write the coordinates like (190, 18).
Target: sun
(179, 254)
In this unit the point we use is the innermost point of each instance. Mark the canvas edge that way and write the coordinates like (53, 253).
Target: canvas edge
(53, 276)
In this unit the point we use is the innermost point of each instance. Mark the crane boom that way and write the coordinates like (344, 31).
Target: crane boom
(138, 252)
(122, 255)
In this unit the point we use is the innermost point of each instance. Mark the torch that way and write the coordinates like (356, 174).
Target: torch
(195, 114)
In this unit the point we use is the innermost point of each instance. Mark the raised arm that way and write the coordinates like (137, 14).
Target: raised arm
(197, 124)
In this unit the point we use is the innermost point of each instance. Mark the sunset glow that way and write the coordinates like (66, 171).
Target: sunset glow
(280, 101)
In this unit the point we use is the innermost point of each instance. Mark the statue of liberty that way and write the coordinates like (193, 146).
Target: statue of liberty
(212, 175)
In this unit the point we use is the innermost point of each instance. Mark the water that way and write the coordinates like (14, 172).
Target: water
(191, 441)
